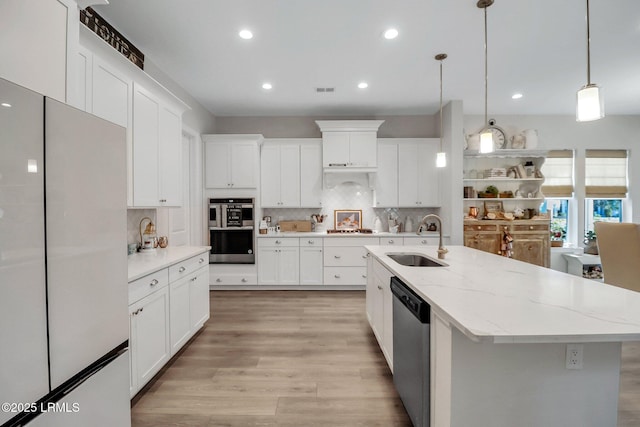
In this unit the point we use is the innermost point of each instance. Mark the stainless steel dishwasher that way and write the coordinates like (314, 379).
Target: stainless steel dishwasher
(411, 318)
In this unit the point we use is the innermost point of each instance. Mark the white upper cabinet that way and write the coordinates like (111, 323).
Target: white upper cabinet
(407, 175)
(231, 161)
(280, 175)
(157, 151)
(349, 143)
(387, 180)
(111, 93)
(311, 173)
(418, 177)
(111, 87)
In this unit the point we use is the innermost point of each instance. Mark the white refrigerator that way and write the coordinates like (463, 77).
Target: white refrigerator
(64, 324)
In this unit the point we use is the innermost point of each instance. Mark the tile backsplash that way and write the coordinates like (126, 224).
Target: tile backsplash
(351, 196)
(134, 216)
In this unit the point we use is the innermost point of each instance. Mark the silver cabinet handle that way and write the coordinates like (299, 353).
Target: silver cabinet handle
(424, 242)
(337, 276)
(141, 309)
(244, 280)
(153, 282)
(391, 241)
(379, 287)
(181, 269)
(311, 242)
(218, 280)
(193, 279)
(201, 260)
(278, 242)
(364, 276)
(337, 256)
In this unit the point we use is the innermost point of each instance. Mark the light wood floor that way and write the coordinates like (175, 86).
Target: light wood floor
(295, 359)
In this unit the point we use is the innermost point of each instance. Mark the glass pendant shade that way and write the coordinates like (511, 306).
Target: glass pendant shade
(590, 103)
(486, 142)
(441, 160)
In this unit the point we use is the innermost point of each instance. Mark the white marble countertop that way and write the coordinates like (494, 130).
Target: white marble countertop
(343, 235)
(143, 263)
(488, 297)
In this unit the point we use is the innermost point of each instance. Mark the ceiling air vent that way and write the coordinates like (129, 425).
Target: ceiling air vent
(325, 89)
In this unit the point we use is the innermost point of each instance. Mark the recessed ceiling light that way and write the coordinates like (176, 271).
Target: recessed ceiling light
(245, 34)
(267, 86)
(6, 104)
(363, 85)
(516, 96)
(390, 34)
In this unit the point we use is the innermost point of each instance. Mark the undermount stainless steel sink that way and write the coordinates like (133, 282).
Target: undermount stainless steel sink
(415, 260)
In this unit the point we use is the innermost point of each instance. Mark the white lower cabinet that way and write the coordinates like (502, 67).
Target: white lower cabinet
(311, 261)
(278, 261)
(345, 260)
(166, 308)
(379, 303)
(149, 337)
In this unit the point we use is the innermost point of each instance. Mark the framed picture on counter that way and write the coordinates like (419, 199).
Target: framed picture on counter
(347, 219)
(493, 207)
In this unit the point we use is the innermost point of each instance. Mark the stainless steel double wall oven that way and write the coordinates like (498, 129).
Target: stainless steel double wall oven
(231, 224)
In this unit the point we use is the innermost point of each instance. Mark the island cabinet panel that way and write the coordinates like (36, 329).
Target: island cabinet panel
(379, 303)
(531, 238)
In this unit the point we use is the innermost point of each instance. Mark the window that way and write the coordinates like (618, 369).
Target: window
(559, 214)
(558, 190)
(606, 210)
(605, 186)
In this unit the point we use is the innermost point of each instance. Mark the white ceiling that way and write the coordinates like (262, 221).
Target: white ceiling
(535, 47)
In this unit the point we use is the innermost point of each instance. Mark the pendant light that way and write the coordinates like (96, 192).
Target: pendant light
(441, 157)
(486, 137)
(590, 103)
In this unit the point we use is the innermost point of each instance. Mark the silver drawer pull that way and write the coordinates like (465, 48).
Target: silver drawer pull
(153, 282)
(244, 280)
(193, 279)
(201, 260)
(218, 280)
(364, 276)
(390, 241)
(337, 276)
(379, 287)
(365, 256)
(141, 309)
(311, 242)
(337, 256)
(278, 242)
(181, 269)
(424, 242)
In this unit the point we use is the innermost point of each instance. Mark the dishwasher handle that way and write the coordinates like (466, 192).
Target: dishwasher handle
(412, 301)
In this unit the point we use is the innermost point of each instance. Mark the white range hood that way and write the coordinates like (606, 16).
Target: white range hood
(349, 151)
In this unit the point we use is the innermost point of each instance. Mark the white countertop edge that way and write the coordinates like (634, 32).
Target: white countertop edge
(523, 331)
(286, 234)
(141, 264)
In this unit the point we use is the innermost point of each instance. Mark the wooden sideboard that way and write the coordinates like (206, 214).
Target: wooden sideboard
(531, 238)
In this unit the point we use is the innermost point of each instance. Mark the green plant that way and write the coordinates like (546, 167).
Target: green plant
(590, 235)
(492, 190)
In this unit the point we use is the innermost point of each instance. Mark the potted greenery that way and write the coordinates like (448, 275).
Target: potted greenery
(591, 243)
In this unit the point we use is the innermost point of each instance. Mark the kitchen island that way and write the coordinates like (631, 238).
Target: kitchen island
(500, 330)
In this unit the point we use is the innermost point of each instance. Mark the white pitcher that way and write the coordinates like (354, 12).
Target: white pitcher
(531, 138)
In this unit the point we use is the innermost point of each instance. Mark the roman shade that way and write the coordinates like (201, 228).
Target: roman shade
(558, 174)
(606, 173)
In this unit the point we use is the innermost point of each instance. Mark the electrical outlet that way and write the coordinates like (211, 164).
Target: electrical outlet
(574, 356)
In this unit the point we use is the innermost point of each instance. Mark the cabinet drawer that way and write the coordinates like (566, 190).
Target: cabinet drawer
(421, 241)
(345, 256)
(270, 242)
(233, 279)
(342, 241)
(530, 227)
(186, 267)
(345, 275)
(310, 242)
(391, 241)
(147, 285)
(481, 227)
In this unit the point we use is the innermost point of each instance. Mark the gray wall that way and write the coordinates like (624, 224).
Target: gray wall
(306, 127)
